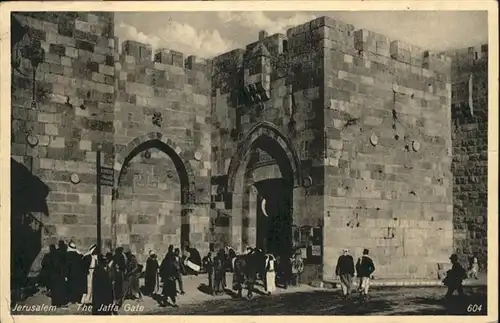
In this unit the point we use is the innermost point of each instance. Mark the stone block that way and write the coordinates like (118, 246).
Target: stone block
(365, 41)
(400, 51)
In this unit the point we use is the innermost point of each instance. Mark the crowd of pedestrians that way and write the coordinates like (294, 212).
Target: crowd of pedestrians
(106, 281)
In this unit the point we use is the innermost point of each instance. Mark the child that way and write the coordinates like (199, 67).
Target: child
(473, 266)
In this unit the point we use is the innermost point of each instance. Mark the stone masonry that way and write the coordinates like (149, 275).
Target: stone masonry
(470, 151)
(134, 108)
(359, 126)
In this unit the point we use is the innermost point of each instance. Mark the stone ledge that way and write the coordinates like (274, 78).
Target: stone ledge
(398, 283)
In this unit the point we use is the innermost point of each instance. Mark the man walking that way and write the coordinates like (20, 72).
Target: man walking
(345, 270)
(454, 278)
(208, 264)
(365, 268)
(180, 269)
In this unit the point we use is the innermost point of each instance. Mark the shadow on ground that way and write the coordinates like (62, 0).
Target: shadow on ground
(322, 302)
(473, 303)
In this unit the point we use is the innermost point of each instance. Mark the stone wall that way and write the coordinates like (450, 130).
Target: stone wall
(388, 184)
(358, 125)
(162, 104)
(470, 152)
(129, 104)
(373, 124)
(74, 113)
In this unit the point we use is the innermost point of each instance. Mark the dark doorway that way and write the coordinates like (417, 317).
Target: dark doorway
(274, 231)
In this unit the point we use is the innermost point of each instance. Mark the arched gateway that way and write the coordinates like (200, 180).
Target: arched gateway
(153, 193)
(253, 222)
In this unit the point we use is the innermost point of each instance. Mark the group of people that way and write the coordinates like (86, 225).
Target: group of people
(66, 271)
(101, 281)
(345, 270)
(105, 281)
(270, 269)
(365, 267)
(170, 271)
(72, 277)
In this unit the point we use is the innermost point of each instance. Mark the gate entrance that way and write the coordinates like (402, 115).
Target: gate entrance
(274, 216)
(265, 167)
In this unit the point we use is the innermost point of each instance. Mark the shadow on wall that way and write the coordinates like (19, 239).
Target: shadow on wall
(28, 197)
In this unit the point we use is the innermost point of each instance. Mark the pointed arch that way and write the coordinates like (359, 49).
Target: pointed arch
(169, 147)
(264, 132)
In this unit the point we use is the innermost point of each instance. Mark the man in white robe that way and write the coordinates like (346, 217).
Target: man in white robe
(90, 263)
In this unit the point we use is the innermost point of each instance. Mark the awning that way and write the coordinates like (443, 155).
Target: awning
(28, 192)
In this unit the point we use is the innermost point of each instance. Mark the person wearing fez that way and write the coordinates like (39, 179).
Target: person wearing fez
(365, 268)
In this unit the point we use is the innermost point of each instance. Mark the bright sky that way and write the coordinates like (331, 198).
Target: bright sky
(208, 34)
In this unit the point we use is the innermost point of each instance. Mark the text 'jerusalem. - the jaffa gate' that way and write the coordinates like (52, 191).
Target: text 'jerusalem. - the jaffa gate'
(327, 137)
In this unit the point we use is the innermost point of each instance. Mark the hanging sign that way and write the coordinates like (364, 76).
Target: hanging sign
(107, 176)
(316, 250)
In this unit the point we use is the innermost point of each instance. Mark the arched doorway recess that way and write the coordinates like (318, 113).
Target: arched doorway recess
(152, 196)
(246, 194)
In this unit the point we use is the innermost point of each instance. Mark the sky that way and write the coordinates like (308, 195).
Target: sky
(208, 34)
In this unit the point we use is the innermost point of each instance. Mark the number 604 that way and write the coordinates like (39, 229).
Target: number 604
(474, 308)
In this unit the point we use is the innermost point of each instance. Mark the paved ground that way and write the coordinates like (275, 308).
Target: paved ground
(302, 300)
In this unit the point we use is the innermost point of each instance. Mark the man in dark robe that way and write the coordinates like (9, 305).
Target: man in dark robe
(151, 274)
(102, 281)
(132, 276)
(285, 270)
(48, 269)
(454, 278)
(244, 273)
(252, 269)
(170, 251)
(231, 255)
(220, 272)
(345, 270)
(168, 273)
(59, 280)
(119, 269)
(76, 274)
(179, 265)
(208, 264)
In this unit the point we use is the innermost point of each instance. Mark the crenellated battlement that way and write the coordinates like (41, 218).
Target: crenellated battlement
(137, 53)
(470, 54)
(326, 33)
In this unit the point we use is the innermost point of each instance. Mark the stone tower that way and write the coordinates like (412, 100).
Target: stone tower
(357, 126)
(470, 151)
